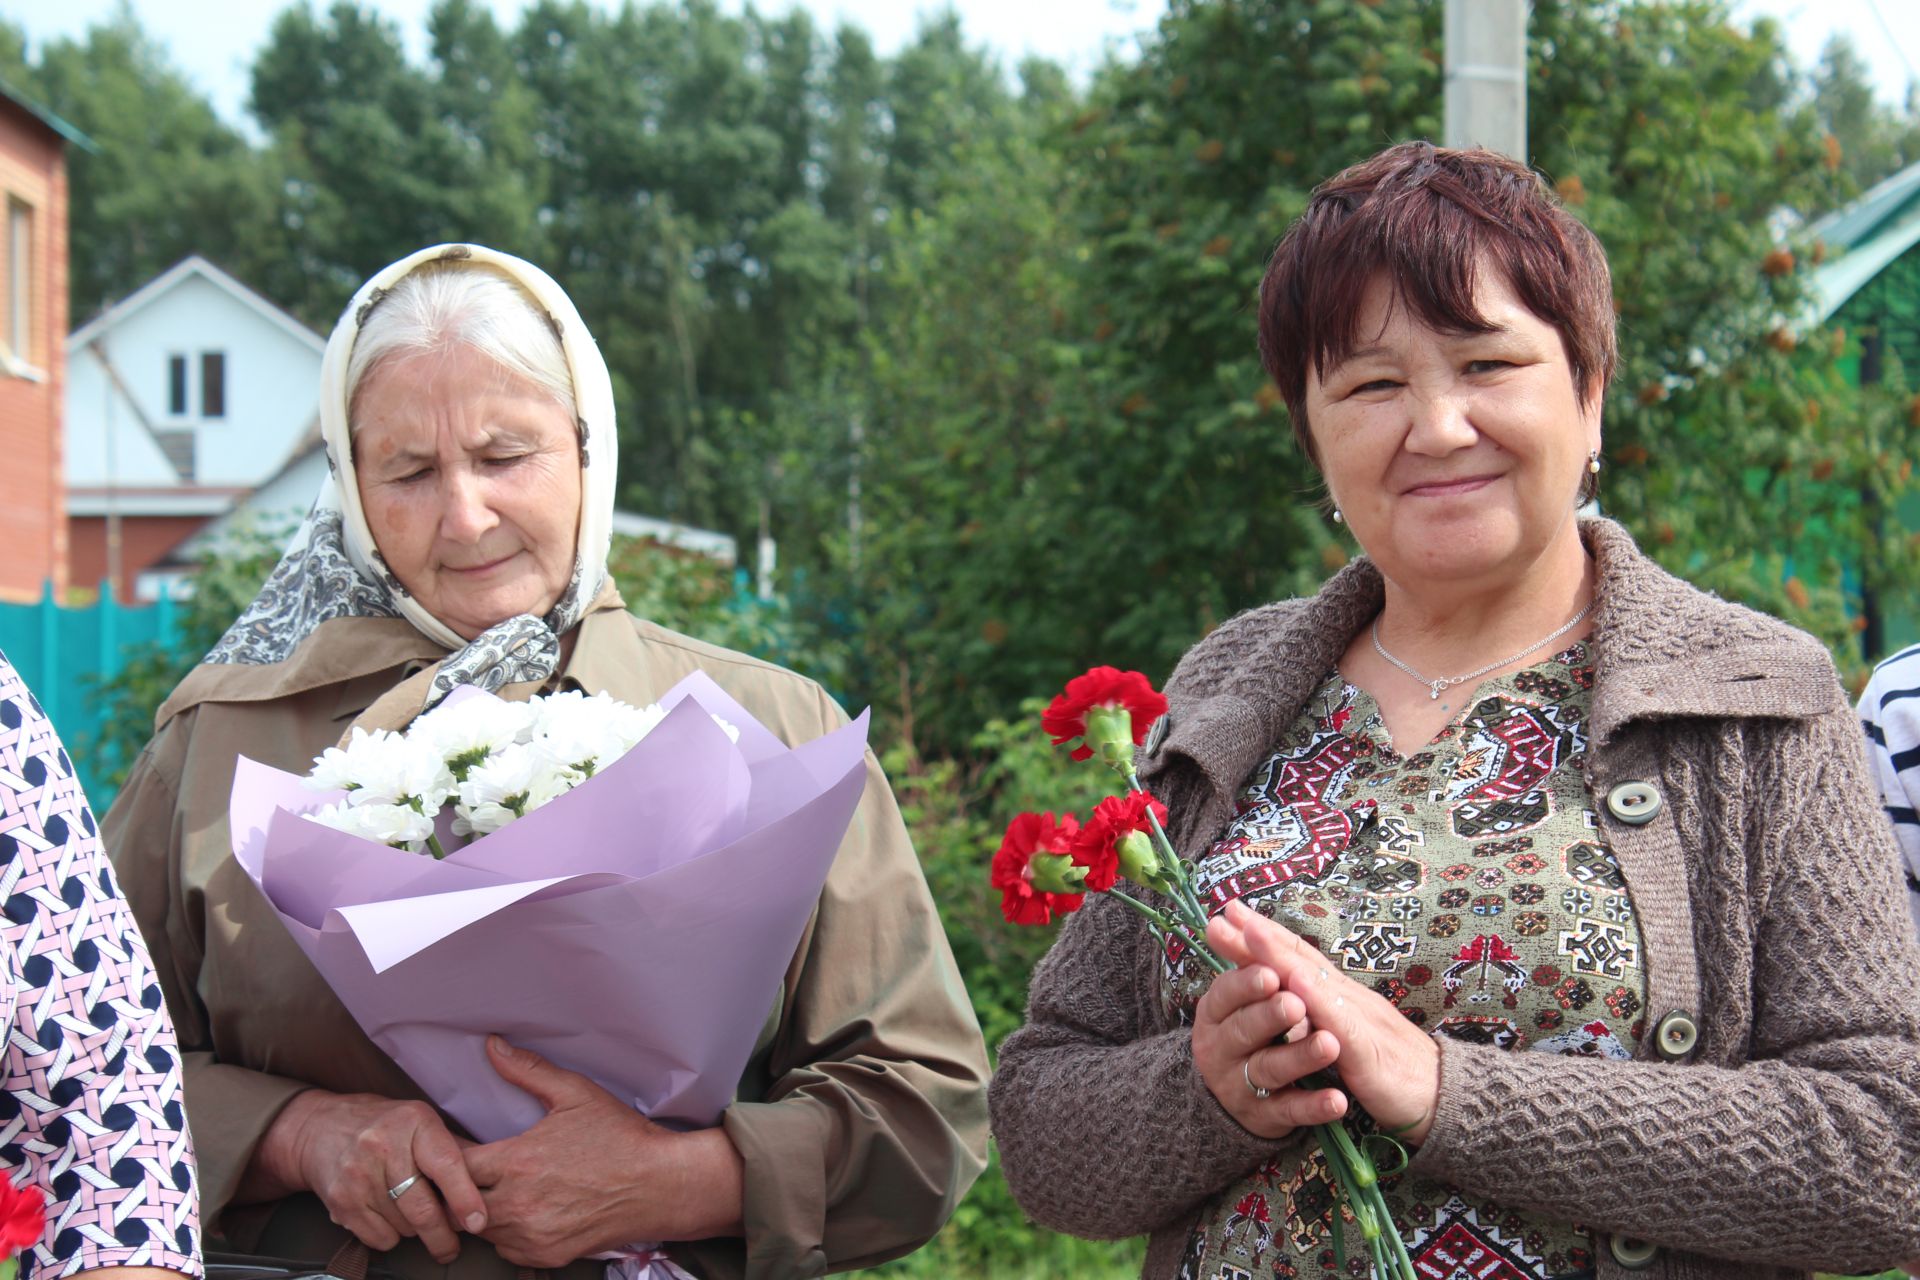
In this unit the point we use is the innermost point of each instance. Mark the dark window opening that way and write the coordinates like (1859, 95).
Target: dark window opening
(177, 385)
(213, 384)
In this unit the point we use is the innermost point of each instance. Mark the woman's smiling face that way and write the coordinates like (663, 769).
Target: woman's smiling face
(1454, 457)
(470, 481)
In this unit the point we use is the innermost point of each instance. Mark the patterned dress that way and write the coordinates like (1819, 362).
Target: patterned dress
(90, 1086)
(1469, 884)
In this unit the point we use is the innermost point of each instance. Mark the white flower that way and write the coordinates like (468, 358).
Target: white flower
(382, 768)
(397, 825)
(586, 734)
(506, 786)
(467, 732)
(415, 776)
(366, 756)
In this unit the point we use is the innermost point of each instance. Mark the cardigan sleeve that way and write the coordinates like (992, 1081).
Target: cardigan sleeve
(1802, 1155)
(1105, 1127)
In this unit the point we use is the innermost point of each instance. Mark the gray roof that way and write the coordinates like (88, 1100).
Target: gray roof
(47, 118)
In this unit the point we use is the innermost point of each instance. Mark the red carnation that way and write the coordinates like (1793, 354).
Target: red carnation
(1103, 688)
(1097, 846)
(23, 1217)
(1029, 836)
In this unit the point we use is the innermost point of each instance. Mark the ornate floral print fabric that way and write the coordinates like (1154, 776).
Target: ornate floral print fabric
(90, 1083)
(1466, 882)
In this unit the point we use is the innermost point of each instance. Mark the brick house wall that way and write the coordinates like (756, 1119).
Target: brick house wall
(33, 534)
(144, 542)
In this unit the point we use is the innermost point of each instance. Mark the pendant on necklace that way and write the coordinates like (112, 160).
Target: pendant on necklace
(1437, 686)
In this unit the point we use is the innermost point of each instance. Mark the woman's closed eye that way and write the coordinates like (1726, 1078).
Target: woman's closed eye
(507, 459)
(1489, 365)
(1373, 385)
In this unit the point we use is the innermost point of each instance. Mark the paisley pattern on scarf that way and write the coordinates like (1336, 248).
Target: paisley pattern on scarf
(314, 582)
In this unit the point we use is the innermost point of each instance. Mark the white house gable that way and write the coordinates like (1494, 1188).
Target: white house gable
(188, 391)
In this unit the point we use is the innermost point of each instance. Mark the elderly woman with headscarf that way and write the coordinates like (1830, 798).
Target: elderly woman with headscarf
(462, 539)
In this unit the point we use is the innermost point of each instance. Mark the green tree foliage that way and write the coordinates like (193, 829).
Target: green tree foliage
(227, 578)
(1874, 140)
(169, 178)
(1112, 475)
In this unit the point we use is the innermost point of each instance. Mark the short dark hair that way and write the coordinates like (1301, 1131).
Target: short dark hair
(1427, 216)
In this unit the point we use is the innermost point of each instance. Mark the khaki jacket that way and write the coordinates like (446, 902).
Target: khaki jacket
(1771, 1124)
(861, 1116)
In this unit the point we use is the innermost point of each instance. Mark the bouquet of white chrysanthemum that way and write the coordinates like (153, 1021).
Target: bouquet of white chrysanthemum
(584, 848)
(486, 760)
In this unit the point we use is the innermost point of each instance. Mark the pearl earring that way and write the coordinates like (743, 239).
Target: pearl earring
(1337, 517)
(1593, 462)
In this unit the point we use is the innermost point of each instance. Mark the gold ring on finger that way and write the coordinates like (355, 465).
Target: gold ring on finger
(1246, 1074)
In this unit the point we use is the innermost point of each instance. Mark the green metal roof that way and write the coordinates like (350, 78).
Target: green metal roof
(1865, 237)
(49, 119)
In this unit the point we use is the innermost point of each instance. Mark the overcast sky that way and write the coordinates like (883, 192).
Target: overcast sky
(213, 41)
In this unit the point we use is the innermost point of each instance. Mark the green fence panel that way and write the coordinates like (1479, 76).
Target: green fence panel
(65, 652)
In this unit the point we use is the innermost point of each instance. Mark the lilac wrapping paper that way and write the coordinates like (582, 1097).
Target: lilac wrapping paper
(635, 930)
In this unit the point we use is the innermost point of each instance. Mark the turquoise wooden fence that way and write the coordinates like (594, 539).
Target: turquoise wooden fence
(63, 653)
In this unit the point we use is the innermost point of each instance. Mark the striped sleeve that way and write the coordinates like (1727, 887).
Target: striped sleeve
(1890, 714)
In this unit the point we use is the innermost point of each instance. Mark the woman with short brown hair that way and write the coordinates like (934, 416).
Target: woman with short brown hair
(1570, 872)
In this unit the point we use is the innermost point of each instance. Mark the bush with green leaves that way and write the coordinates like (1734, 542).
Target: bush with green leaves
(224, 582)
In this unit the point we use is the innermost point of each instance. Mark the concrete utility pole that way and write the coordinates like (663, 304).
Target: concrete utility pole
(1486, 50)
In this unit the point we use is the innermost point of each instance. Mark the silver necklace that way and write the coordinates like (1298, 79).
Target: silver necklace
(1437, 687)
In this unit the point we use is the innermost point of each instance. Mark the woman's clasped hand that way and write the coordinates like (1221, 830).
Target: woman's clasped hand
(383, 1168)
(1388, 1065)
(593, 1175)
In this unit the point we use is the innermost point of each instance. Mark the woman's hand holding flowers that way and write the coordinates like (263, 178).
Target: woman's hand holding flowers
(350, 1150)
(1236, 1029)
(594, 1174)
(1390, 1066)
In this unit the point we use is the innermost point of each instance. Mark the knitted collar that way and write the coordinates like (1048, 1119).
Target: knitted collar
(1662, 649)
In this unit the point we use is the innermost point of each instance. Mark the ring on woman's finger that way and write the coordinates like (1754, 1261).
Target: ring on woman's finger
(1247, 1075)
(400, 1188)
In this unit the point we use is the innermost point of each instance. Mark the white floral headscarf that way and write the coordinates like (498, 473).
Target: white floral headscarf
(332, 569)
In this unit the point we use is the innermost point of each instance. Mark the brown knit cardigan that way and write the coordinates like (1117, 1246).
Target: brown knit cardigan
(1786, 1138)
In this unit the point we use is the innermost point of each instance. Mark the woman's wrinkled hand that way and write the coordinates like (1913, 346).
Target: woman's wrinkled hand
(1390, 1066)
(1236, 1029)
(595, 1174)
(350, 1150)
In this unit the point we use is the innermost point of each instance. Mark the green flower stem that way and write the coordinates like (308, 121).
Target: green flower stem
(1359, 1183)
(1357, 1176)
(1343, 1196)
(433, 846)
(1357, 1162)
(1369, 1212)
(1177, 870)
(1160, 921)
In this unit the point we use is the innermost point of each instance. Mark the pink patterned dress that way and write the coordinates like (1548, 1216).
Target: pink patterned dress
(91, 1099)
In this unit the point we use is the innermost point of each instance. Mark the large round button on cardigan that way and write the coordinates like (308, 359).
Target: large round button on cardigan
(1634, 803)
(1634, 1255)
(1676, 1035)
